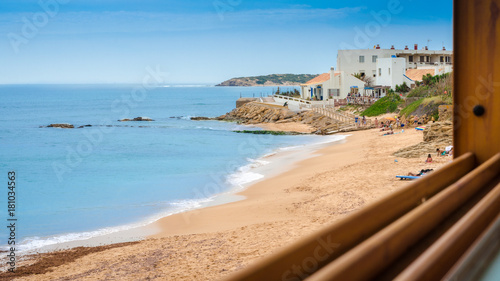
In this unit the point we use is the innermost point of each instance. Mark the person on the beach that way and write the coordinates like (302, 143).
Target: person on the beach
(421, 173)
(429, 159)
(438, 152)
(376, 122)
(364, 120)
(356, 120)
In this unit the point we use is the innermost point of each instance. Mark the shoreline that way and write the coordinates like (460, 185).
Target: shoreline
(218, 240)
(280, 160)
(287, 161)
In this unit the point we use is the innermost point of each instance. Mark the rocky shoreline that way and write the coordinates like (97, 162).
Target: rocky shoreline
(255, 113)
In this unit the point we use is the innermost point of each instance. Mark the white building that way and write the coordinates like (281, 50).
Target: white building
(392, 72)
(384, 68)
(332, 85)
(364, 61)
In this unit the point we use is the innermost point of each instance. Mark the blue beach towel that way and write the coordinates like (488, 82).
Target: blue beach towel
(407, 177)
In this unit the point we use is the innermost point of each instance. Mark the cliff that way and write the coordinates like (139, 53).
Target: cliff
(269, 80)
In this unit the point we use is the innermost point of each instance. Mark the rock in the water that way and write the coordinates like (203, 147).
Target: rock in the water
(62, 125)
(137, 119)
(200, 118)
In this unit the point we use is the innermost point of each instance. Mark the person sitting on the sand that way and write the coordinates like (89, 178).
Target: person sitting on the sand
(429, 159)
(421, 173)
(389, 133)
(438, 152)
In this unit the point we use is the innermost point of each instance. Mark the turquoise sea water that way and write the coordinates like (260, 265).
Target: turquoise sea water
(78, 183)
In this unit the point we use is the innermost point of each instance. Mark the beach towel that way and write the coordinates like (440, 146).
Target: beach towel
(407, 177)
(420, 128)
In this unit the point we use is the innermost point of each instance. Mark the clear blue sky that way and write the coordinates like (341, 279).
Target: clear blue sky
(113, 41)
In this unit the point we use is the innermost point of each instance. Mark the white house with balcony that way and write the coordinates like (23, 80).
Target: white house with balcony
(331, 85)
(364, 61)
(384, 68)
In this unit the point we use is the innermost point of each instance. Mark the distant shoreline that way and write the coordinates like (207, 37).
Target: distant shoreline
(272, 80)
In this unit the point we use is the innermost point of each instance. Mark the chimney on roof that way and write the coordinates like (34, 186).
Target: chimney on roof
(427, 48)
(416, 46)
(332, 72)
(392, 47)
(378, 46)
(406, 47)
(444, 48)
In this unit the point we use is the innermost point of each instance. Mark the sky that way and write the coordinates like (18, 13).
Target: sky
(202, 42)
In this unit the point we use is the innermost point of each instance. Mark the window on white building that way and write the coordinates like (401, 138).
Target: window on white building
(389, 70)
(421, 58)
(374, 58)
(428, 59)
(374, 73)
(410, 58)
(333, 92)
(361, 58)
(441, 59)
(380, 72)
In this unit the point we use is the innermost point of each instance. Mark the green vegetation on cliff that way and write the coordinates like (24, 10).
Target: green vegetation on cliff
(424, 99)
(268, 80)
(384, 105)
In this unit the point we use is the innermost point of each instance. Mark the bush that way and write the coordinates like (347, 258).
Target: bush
(384, 105)
(419, 92)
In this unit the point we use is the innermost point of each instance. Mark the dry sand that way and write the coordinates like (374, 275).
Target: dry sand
(211, 243)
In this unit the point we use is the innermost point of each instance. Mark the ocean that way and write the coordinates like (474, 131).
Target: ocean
(74, 184)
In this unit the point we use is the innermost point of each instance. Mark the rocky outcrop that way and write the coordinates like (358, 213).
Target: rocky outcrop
(269, 80)
(438, 131)
(436, 135)
(445, 112)
(201, 118)
(62, 125)
(137, 119)
(255, 113)
(242, 101)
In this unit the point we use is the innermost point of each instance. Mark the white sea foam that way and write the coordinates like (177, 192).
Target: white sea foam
(244, 175)
(33, 243)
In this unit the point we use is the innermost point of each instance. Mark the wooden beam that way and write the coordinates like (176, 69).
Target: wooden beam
(300, 260)
(374, 255)
(435, 262)
(476, 110)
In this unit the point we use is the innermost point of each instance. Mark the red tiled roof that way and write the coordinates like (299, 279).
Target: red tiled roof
(417, 74)
(320, 79)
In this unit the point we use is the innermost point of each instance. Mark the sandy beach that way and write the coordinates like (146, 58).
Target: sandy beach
(212, 243)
